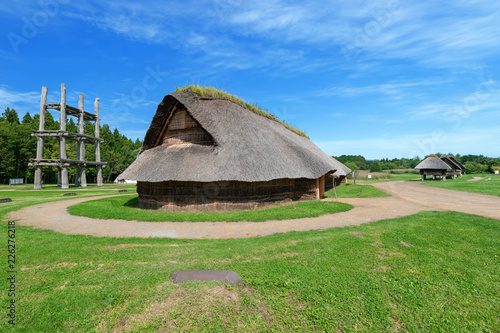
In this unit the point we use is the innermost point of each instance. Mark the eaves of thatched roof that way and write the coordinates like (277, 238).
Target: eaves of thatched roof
(248, 147)
(342, 170)
(433, 162)
(452, 162)
(456, 162)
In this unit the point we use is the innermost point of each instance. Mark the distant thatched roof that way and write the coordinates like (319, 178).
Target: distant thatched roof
(433, 162)
(453, 163)
(246, 147)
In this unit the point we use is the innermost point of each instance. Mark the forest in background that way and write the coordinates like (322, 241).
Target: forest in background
(17, 146)
(472, 163)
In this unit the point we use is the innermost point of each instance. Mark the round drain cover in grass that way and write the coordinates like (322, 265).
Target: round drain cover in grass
(228, 277)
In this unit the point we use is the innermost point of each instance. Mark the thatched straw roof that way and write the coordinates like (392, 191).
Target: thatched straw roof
(247, 147)
(453, 163)
(342, 170)
(433, 162)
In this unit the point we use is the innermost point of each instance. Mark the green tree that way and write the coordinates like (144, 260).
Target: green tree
(390, 166)
(11, 116)
(8, 160)
(351, 165)
(474, 167)
(358, 159)
(27, 120)
(17, 147)
(71, 126)
(376, 167)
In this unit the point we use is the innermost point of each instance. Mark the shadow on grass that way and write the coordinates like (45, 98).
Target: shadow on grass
(132, 203)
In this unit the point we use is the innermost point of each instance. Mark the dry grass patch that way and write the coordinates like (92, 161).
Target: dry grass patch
(192, 305)
(382, 269)
(356, 234)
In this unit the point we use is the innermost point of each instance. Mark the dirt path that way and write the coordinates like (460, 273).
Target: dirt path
(475, 179)
(408, 199)
(442, 199)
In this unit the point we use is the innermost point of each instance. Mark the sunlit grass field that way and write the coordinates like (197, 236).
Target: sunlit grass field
(430, 272)
(489, 184)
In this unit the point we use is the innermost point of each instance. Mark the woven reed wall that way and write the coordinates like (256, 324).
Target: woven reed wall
(183, 129)
(227, 195)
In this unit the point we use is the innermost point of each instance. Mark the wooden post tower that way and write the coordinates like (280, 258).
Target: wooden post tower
(63, 163)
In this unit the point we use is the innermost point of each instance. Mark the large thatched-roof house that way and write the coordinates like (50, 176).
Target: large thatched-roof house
(211, 154)
(433, 166)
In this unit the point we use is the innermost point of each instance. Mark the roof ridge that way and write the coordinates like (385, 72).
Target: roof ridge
(216, 94)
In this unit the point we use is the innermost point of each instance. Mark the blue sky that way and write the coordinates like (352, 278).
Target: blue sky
(380, 79)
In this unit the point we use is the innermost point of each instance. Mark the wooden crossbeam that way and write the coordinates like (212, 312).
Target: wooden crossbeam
(70, 135)
(72, 111)
(64, 162)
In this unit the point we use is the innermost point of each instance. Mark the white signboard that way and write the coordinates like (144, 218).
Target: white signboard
(16, 181)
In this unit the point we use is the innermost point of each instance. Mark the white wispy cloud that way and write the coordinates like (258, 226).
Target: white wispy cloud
(441, 35)
(391, 88)
(243, 34)
(484, 100)
(9, 97)
(434, 34)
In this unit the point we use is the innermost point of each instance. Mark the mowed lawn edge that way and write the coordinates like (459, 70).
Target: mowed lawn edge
(125, 208)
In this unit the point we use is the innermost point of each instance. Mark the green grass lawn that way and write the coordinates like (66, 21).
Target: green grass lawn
(72, 187)
(356, 191)
(430, 272)
(125, 208)
(22, 198)
(490, 187)
(388, 177)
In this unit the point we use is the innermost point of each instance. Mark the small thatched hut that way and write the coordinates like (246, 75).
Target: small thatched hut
(433, 166)
(213, 154)
(456, 166)
(338, 177)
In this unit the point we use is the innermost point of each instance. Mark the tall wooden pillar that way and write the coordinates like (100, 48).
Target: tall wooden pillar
(321, 187)
(98, 143)
(62, 141)
(40, 139)
(81, 178)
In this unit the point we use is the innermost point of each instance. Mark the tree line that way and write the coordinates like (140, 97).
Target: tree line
(17, 147)
(472, 163)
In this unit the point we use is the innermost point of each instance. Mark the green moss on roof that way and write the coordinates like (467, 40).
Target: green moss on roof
(211, 92)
